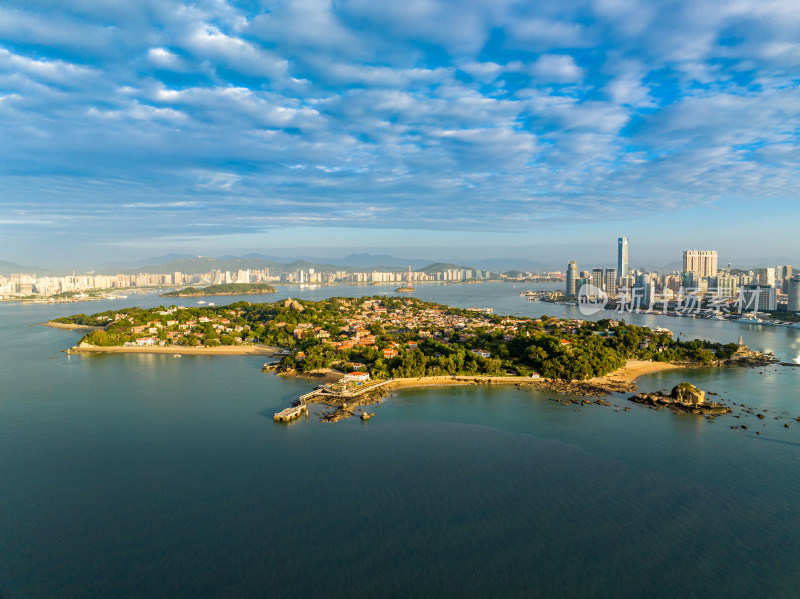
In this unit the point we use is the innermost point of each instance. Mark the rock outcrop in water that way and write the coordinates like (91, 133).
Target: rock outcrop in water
(745, 356)
(683, 398)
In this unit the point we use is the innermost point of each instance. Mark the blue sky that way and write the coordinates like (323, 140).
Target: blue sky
(423, 128)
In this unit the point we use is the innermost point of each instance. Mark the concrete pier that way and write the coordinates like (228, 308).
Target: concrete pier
(290, 413)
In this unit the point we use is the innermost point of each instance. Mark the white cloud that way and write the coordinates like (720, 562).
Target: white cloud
(207, 41)
(334, 106)
(164, 59)
(556, 68)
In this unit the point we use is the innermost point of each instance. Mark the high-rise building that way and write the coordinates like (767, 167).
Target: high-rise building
(724, 285)
(597, 278)
(572, 278)
(622, 259)
(610, 285)
(784, 277)
(700, 262)
(759, 299)
(645, 289)
(766, 277)
(794, 294)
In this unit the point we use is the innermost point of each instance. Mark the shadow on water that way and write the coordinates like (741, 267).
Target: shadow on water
(760, 438)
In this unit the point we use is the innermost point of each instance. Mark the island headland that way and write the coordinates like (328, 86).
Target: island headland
(403, 342)
(223, 289)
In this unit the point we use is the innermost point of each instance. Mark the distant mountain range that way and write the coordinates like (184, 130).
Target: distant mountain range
(7, 268)
(202, 264)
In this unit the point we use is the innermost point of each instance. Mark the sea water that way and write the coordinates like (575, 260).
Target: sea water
(154, 476)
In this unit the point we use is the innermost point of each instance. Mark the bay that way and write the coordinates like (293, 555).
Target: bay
(152, 476)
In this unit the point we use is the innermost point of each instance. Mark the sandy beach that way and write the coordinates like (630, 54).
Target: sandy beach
(70, 326)
(633, 369)
(620, 380)
(222, 350)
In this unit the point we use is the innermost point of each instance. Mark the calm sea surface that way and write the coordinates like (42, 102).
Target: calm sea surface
(151, 476)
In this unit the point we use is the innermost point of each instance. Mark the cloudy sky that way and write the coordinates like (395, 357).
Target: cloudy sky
(423, 127)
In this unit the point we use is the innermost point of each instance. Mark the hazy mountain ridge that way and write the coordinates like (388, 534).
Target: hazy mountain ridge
(363, 262)
(9, 268)
(204, 264)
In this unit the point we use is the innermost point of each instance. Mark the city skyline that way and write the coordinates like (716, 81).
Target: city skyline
(145, 128)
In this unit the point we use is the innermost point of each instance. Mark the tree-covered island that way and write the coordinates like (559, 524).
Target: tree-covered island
(392, 337)
(223, 289)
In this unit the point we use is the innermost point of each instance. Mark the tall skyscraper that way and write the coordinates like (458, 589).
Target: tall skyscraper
(700, 263)
(794, 294)
(622, 258)
(572, 278)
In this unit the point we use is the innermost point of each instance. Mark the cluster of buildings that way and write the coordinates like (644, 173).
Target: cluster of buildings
(427, 322)
(312, 276)
(760, 290)
(24, 285)
(173, 326)
(27, 285)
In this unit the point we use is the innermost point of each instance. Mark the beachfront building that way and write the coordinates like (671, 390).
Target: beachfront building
(355, 377)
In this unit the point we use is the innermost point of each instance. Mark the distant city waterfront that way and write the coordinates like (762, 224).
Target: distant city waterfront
(700, 288)
(77, 287)
(147, 475)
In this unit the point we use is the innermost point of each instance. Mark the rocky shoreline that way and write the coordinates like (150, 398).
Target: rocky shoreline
(683, 398)
(621, 381)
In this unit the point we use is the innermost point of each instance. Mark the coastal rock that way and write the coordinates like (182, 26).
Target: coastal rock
(688, 394)
(684, 397)
(745, 356)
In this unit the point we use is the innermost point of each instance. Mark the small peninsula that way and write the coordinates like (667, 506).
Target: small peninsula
(223, 289)
(400, 337)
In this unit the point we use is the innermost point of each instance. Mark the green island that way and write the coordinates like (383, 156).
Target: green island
(223, 289)
(366, 347)
(401, 337)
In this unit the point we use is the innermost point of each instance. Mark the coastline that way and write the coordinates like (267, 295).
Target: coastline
(634, 369)
(71, 326)
(221, 350)
(622, 380)
(218, 294)
(619, 380)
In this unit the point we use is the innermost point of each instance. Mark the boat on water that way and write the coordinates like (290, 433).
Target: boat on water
(201, 302)
(750, 320)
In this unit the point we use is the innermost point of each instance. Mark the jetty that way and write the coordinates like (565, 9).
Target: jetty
(302, 408)
(295, 411)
